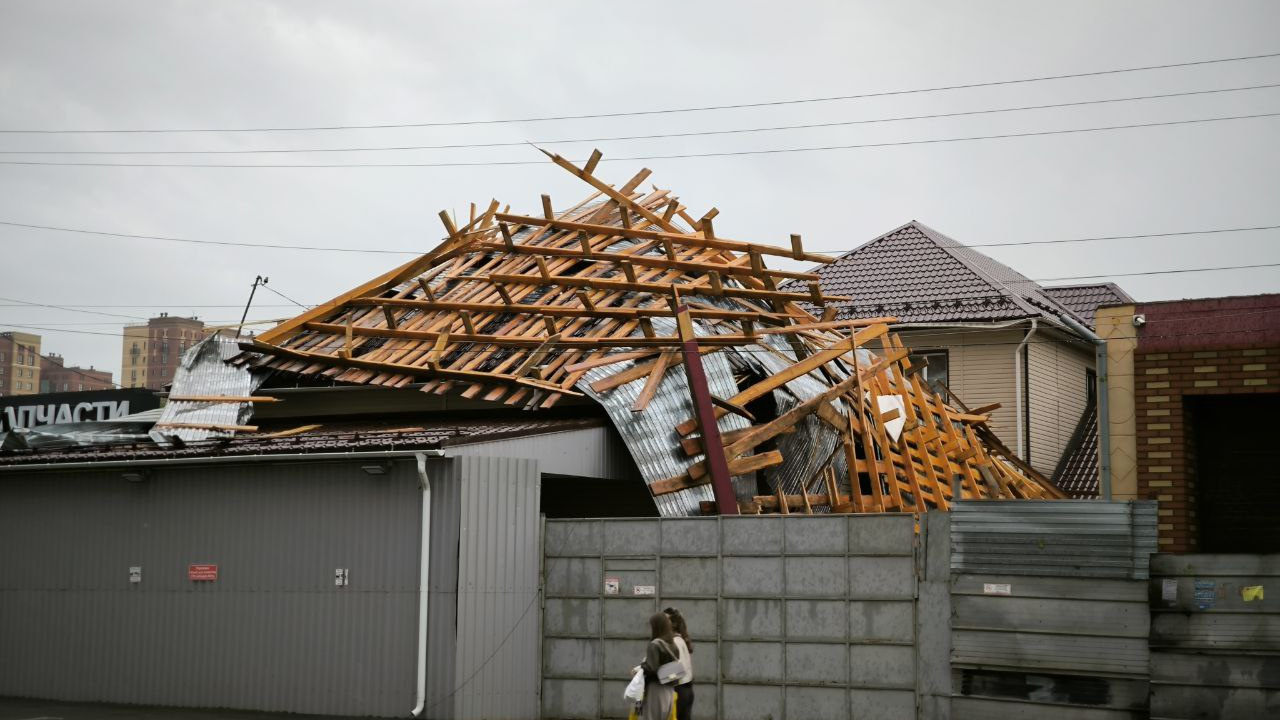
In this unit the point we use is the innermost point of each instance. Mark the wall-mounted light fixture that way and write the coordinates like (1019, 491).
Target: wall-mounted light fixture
(380, 468)
(134, 476)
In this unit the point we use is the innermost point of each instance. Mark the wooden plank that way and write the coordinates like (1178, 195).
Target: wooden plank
(742, 466)
(801, 368)
(223, 399)
(651, 385)
(671, 234)
(649, 260)
(208, 426)
(656, 288)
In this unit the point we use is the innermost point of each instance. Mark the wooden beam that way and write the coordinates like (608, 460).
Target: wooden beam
(691, 240)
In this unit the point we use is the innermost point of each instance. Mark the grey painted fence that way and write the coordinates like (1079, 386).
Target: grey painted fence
(1215, 636)
(803, 617)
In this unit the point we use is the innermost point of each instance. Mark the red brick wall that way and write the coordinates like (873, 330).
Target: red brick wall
(1166, 463)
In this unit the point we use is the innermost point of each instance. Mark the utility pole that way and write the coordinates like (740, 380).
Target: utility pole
(259, 280)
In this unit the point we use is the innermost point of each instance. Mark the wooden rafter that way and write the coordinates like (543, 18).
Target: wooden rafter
(518, 309)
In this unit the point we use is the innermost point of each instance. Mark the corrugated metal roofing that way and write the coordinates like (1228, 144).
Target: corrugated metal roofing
(919, 275)
(205, 372)
(329, 438)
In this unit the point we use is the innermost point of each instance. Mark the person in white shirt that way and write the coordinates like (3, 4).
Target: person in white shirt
(684, 691)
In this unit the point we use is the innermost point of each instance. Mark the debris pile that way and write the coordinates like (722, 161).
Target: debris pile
(606, 298)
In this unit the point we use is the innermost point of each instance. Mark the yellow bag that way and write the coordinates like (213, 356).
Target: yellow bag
(635, 709)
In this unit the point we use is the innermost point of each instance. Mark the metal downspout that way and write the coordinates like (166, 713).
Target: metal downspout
(424, 572)
(1104, 406)
(1018, 382)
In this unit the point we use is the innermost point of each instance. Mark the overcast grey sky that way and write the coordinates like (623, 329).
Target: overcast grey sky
(234, 64)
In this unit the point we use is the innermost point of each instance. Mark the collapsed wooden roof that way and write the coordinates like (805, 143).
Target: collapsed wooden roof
(529, 309)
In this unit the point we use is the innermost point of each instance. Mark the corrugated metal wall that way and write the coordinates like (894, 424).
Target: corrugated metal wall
(1215, 636)
(272, 633)
(1058, 392)
(1049, 616)
(499, 583)
(799, 617)
(442, 619)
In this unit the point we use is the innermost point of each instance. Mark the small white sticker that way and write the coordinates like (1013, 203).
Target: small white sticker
(612, 586)
(1169, 590)
(135, 574)
(646, 590)
(997, 589)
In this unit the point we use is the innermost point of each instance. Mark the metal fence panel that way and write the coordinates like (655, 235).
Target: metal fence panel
(1090, 539)
(1215, 636)
(1049, 613)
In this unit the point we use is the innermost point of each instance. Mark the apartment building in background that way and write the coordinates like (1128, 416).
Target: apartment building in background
(19, 363)
(152, 350)
(57, 376)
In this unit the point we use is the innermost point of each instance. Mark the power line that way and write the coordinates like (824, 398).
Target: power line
(483, 346)
(657, 136)
(269, 246)
(206, 242)
(1158, 272)
(665, 111)
(63, 307)
(674, 156)
(286, 297)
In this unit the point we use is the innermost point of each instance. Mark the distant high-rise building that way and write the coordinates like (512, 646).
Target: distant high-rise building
(152, 350)
(56, 376)
(19, 363)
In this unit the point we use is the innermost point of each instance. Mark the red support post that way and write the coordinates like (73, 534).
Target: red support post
(704, 411)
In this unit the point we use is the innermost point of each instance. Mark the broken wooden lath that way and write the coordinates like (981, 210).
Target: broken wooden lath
(519, 308)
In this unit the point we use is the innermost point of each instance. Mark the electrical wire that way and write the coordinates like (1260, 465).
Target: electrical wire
(673, 156)
(664, 111)
(489, 347)
(62, 307)
(657, 136)
(269, 246)
(1158, 272)
(286, 297)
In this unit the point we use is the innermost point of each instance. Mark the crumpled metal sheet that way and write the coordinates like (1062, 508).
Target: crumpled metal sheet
(650, 435)
(655, 447)
(122, 430)
(205, 371)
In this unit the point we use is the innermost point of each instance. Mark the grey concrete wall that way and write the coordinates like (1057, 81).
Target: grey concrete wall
(1215, 644)
(805, 617)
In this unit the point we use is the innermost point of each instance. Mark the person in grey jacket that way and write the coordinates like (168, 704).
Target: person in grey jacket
(660, 651)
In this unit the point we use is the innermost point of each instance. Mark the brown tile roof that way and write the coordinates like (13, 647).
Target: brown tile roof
(920, 275)
(1077, 471)
(1084, 300)
(340, 437)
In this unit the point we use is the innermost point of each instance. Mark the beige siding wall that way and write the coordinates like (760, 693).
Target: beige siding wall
(981, 369)
(1058, 394)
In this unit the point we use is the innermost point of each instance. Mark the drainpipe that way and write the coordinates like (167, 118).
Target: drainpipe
(424, 482)
(1018, 382)
(1104, 406)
